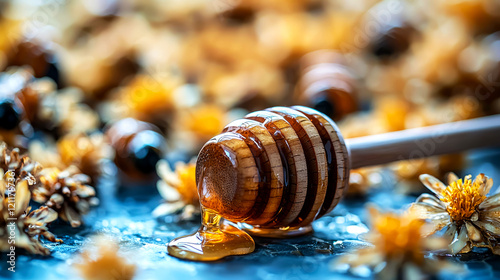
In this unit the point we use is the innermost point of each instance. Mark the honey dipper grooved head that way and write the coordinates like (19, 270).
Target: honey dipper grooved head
(274, 168)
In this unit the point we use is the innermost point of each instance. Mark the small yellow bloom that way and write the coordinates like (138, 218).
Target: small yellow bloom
(147, 95)
(462, 198)
(462, 210)
(178, 188)
(206, 121)
(398, 247)
(103, 262)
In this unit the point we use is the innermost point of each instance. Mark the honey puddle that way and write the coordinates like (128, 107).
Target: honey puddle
(214, 240)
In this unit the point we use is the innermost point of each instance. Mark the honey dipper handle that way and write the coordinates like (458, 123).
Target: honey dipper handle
(424, 142)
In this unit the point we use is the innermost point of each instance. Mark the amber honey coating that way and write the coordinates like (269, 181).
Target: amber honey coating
(294, 165)
(265, 152)
(336, 155)
(227, 176)
(282, 167)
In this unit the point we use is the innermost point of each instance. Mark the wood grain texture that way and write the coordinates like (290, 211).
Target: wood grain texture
(337, 157)
(316, 163)
(227, 176)
(424, 142)
(294, 166)
(265, 152)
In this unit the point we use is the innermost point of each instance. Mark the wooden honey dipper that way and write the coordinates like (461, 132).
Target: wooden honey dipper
(279, 169)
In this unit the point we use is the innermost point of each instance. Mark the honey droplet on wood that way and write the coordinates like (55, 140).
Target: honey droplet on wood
(213, 241)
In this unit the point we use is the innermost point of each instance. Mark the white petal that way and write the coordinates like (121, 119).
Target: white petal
(473, 233)
(493, 214)
(425, 211)
(163, 169)
(451, 177)
(491, 202)
(486, 183)
(433, 184)
(450, 233)
(460, 241)
(431, 200)
(491, 226)
(167, 192)
(439, 218)
(167, 208)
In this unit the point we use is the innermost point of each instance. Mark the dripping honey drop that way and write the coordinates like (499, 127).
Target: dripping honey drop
(214, 240)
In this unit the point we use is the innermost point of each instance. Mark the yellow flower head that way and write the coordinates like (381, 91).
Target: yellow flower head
(146, 94)
(178, 185)
(469, 217)
(397, 236)
(207, 121)
(398, 247)
(187, 183)
(462, 198)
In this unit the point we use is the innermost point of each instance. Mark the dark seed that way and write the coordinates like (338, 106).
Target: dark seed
(10, 114)
(146, 151)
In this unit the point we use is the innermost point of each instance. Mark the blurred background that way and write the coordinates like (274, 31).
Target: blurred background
(160, 78)
(135, 88)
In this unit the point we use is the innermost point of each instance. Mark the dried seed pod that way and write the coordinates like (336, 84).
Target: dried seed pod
(66, 192)
(326, 84)
(22, 166)
(17, 175)
(274, 168)
(138, 146)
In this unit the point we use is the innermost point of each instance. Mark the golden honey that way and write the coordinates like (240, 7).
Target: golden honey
(273, 173)
(214, 240)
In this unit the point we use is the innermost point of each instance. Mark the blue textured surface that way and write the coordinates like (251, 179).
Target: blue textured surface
(126, 216)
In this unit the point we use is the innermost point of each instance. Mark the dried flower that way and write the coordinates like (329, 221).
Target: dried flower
(471, 218)
(145, 95)
(103, 262)
(87, 152)
(66, 192)
(22, 166)
(206, 121)
(196, 125)
(178, 189)
(398, 247)
(19, 223)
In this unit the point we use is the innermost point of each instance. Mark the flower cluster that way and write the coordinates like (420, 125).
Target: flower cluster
(398, 246)
(19, 226)
(64, 194)
(462, 212)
